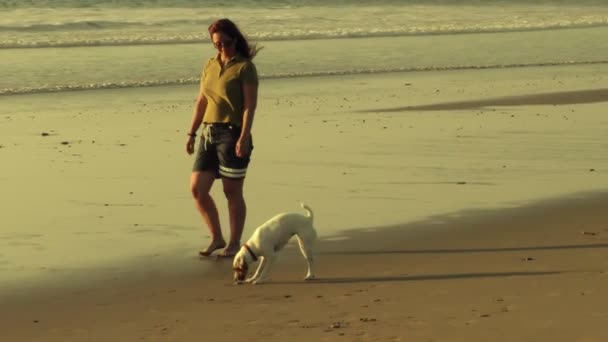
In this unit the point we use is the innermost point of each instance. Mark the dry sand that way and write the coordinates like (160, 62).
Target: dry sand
(445, 175)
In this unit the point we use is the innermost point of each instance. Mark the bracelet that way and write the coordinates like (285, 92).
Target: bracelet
(192, 134)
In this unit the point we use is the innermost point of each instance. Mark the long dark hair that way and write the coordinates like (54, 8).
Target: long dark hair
(227, 27)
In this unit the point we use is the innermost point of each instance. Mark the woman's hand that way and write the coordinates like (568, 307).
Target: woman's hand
(190, 144)
(243, 147)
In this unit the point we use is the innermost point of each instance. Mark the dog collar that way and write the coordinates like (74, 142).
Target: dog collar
(255, 258)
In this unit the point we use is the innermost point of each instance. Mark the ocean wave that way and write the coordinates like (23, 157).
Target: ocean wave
(240, 3)
(195, 80)
(270, 20)
(98, 25)
(285, 36)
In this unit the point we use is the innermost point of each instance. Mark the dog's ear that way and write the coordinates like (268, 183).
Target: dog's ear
(239, 261)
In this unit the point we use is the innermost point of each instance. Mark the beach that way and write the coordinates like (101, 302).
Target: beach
(462, 205)
(453, 153)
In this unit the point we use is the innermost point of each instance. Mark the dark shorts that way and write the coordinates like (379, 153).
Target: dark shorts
(217, 152)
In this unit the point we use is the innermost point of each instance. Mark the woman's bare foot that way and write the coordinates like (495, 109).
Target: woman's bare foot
(215, 245)
(230, 251)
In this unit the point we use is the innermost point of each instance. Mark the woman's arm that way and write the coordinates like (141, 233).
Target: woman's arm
(250, 102)
(199, 111)
(197, 120)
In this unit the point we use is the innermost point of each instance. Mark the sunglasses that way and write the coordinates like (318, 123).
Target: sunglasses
(223, 43)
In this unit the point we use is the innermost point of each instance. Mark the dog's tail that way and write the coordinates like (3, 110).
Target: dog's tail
(307, 208)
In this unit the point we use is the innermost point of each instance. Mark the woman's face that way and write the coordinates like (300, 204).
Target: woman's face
(222, 42)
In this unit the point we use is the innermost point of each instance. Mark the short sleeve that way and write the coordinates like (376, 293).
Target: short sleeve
(205, 67)
(204, 73)
(249, 74)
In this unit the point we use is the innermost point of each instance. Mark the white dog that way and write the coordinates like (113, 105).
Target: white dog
(270, 238)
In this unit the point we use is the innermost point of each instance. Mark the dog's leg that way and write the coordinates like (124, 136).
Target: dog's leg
(268, 261)
(306, 249)
(256, 275)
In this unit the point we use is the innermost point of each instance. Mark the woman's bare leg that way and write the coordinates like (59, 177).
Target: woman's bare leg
(237, 208)
(200, 185)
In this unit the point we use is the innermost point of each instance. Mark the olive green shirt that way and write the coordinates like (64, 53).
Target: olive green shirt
(223, 88)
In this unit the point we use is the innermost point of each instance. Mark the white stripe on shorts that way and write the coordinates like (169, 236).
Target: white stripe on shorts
(232, 173)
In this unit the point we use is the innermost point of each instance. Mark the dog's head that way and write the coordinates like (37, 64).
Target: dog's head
(240, 265)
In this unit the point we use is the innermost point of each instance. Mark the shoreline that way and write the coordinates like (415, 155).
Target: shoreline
(509, 50)
(193, 81)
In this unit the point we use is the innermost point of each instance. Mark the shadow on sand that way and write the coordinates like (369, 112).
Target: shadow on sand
(469, 250)
(405, 277)
(555, 98)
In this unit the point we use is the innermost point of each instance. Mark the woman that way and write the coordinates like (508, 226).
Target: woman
(225, 107)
